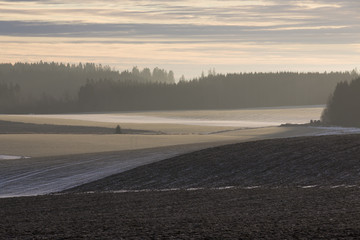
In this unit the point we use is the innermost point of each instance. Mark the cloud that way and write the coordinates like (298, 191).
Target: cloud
(162, 31)
(277, 21)
(114, 15)
(169, 33)
(195, 12)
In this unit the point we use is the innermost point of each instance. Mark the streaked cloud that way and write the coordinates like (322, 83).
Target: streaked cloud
(283, 34)
(183, 33)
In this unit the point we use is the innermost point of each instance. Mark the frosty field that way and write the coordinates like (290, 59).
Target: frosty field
(52, 165)
(242, 118)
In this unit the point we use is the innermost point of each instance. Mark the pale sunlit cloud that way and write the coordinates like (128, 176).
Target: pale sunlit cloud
(186, 36)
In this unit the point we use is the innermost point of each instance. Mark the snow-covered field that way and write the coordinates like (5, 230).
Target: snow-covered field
(337, 130)
(245, 118)
(36, 176)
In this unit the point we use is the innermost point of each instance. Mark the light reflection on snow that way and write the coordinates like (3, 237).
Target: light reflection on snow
(256, 117)
(10, 157)
(337, 131)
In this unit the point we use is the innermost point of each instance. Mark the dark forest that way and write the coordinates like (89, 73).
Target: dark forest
(343, 108)
(59, 88)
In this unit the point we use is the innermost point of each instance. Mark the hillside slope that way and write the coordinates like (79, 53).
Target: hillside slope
(323, 161)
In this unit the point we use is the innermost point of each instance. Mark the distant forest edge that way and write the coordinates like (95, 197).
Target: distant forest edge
(343, 108)
(59, 88)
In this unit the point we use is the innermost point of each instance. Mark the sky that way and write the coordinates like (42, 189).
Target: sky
(185, 36)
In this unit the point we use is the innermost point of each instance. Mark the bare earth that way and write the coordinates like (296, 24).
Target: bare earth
(287, 162)
(283, 213)
(284, 206)
(286, 188)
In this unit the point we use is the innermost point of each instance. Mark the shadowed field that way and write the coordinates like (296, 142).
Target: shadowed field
(279, 207)
(42, 175)
(288, 162)
(282, 213)
(282, 207)
(45, 145)
(167, 128)
(47, 138)
(8, 127)
(63, 160)
(180, 122)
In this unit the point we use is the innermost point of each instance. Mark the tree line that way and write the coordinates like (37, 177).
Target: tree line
(58, 88)
(219, 91)
(60, 80)
(343, 108)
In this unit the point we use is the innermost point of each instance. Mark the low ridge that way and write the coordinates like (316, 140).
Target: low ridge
(301, 161)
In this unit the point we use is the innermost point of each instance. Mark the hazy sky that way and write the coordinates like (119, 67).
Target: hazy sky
(185, 36)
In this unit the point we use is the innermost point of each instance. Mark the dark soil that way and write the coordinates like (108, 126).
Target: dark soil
(284, 213)
(323, 161)
(279, 209)
(7, 127)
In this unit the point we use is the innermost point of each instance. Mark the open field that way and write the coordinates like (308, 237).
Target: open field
(40, 145)
(180, 122)
(284, 204)
(61, 161)
(287, 162)
(66, 159)
(8, 127)
(42, 175)
(168, 124)
(158, 127)
(50, 169)
(305, 190)
(249, 117)
(53, 135)
(180, 127)
(283, 213)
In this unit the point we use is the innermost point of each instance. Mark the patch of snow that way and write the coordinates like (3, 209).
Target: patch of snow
(204, 188)
(309, 186)
(41, 176)
(337, 131)
(252, 187)
(10, 157)
(228, 187)
(343, 186)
